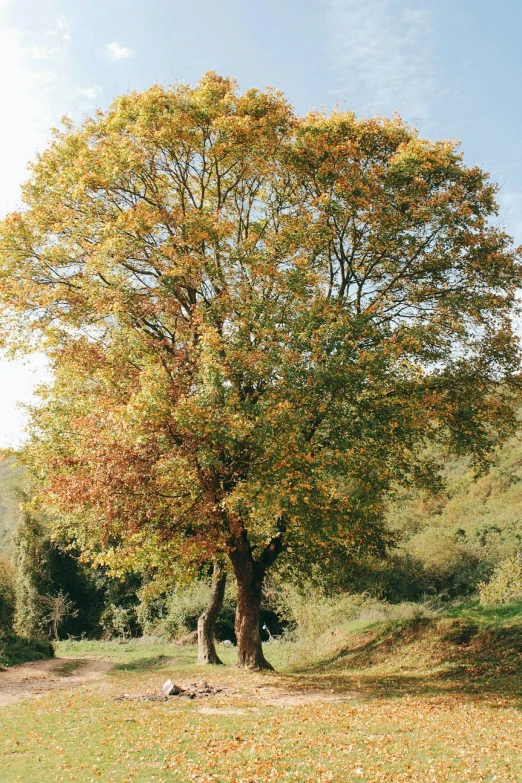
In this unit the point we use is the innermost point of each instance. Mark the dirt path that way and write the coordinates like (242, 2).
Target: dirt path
(280, 697)
(32, 679)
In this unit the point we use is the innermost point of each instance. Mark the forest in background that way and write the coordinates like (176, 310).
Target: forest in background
(10, 515)
(446, 545)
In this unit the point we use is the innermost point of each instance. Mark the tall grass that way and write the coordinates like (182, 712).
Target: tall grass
(318, 624)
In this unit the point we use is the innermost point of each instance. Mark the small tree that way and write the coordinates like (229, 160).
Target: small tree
(7, 594)
(505, 584)
(257, 323)
(60, 607)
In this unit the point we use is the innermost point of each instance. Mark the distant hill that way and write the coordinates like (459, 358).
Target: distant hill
(10, 480)
(457, 537)
(478, 518)
(480, 508)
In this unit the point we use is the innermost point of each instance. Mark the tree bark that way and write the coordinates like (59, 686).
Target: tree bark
(249, 576)
(249, 593)
(206, 623)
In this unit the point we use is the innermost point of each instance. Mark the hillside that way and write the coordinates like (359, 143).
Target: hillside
(477, 519)
(468, 648)
(483, 507)
(451, 541)
(9, 513)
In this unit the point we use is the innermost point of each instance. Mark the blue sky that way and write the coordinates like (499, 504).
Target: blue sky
(450, 66)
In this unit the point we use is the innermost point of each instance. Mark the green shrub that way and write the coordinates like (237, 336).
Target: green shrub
(46, 570)
(176, 614)
(310, 613)
(14, 649)
(117, 622)
(317, 622)
(315, 615)
(7, 594)
(42, 572)
(505, 584)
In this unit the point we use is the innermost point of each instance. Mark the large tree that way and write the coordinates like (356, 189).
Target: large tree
(257, 323)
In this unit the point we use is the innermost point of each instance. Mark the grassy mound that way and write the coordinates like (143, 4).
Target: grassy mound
(471, 649)
(14, 649)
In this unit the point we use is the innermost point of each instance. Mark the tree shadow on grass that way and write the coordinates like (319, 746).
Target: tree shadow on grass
(423, 657)
(144, 664)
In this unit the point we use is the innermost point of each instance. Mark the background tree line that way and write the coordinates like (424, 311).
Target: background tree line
(448, 545)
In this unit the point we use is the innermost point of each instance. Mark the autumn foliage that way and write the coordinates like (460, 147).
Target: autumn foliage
(257, 323)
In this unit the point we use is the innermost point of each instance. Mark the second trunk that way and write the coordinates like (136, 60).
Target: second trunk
(206, 623)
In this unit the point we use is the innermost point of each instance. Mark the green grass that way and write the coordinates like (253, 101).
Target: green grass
(136, 654)
(487, 616)
(438, 701)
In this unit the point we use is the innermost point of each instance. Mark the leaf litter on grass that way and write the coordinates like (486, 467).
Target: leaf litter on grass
(352, 720)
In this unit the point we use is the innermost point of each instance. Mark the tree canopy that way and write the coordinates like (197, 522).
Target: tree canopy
(257, 323)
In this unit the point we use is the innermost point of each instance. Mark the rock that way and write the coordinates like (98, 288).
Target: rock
(169, 689)
(165, 688)
(227, 642)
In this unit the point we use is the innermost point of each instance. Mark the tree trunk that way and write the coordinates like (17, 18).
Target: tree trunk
(249, 576)
(206, 623)
(248, 610)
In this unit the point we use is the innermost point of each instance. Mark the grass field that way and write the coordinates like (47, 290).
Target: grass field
(426, 700)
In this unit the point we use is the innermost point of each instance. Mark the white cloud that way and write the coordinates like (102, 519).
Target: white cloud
(382, 51)
(91, 93)
(61, 30)
(118, 52)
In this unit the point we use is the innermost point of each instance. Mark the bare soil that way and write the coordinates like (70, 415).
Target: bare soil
(33, 679)
(281, 698)
(30, 680)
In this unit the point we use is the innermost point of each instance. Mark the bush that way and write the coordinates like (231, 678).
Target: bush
(176, 614)
(7, 594)
(505, 584)
(310, 613)
(14, 649)
(117, 622)
(46, 571)
(317, 622)
(43, 572)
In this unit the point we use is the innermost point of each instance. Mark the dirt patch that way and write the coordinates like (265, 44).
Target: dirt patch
(265, 694)
(170, 691)
(299, 698)
(32, 679)
(221, 711)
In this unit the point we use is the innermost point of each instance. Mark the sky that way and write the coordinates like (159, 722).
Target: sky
(452, 67)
